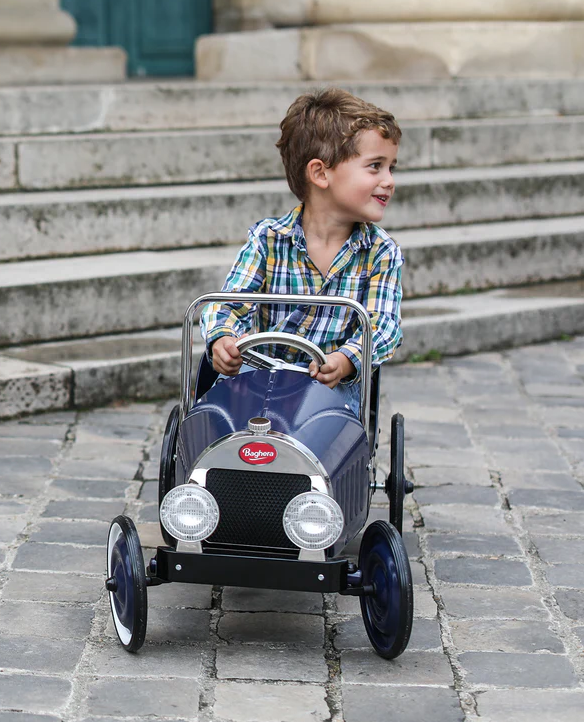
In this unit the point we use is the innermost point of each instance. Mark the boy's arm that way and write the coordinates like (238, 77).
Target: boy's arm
(383, 301)
(247, 274)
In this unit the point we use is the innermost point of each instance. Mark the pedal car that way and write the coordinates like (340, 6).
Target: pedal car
(265, 477)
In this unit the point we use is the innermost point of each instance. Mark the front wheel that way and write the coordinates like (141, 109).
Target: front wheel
(126, 583)
(389, 610)
(166, 476)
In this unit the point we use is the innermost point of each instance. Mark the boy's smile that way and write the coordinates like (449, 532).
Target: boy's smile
(360, 188)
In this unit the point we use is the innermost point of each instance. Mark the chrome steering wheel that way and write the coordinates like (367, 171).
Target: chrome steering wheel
(261, 361)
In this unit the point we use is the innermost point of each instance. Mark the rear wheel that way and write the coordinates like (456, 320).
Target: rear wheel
(387, 612)
(126, 583)
(167, 477)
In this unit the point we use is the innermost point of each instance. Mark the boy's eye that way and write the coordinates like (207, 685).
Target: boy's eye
(376, 166)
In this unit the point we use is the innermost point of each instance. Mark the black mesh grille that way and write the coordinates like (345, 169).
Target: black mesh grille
(252, 504)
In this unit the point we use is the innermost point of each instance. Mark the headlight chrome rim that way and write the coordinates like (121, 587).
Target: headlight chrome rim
(313, 521)
(189, 513)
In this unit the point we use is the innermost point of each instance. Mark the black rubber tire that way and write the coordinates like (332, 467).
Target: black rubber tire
(128, 600)
(166, 476)
(395, 485)
(388, 613)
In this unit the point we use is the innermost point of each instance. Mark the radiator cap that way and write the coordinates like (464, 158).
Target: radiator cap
(259, 425)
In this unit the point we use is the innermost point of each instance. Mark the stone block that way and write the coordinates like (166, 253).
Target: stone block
(500, 603)
(547, 499)
(45, 587)
(243, 599)
(490, 545)
(442, 475)
(46, 65)
(476, 495)
(27, 387)
(556, 482)
(505, 636)
(53, 621)
(109, 659)
(409, 703)
(273, 628)
(363, 667)
(504, 669)
(466, 518)
(60, 558)
(83, 509)
(7, 165)
(143, 697)
(33, 693)
(404, 51)
(261, 663)
(98, 470)
(547, 705)
(470, 570)
(558, 551)
(257, 702)
(52, 656)
(188, 596)
(351, 634)
(177, 625)
(571, 602)
(559, 523)
(35, 21)
(566, 575)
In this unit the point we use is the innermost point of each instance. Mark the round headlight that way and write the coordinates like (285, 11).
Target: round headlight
(189, 513)
(313, 520)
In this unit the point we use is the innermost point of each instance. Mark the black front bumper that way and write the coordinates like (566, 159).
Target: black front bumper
(239, 571)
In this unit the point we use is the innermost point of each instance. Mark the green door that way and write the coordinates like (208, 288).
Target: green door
(158, 35)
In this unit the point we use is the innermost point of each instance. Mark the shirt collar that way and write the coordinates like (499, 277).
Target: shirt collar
(290, 226)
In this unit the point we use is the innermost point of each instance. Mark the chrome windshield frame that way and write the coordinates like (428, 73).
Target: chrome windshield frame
(275, 298)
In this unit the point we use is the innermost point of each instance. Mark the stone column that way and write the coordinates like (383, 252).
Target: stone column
(327, 40)
(34, 38)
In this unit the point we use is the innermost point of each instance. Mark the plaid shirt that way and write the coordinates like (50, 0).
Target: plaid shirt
(275, 260)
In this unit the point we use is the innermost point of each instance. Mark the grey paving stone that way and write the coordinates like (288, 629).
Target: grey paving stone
(243, 599)
(442, 475)
(565, 416)
(483, 544)
(272, 628)
(566, 575)
(560, 523)
(579, 632)
(86, 433)
(25, 717)
(500, 603)
(376, 703)
(60, 558)
(16, 466)
(495, 416)
(27, 487)
(89, 450)
(515, 705)
(465, 518)
(504, 669)
(87, 488)
(149, 513)
(548, 498)
(571, 602)
(437, 435)
(507, 431)
(424, 604)
(110, 659)
(471, 570)
(351, 634)
(33, 693)
(30, 447)
(257, 702)
(573, 448)
(547, 480)
(289, 665)
(464, 459)
(99, 469)
(33, 654)
(138, 414)
(173, 625)
(71, 532)
(54, 621)
(458, 495)
(366, 667)
(82, 509)
(37, 586)
(190, 596)
(149, 492)
(151, 470)
(10, 528)
(538, 459)
(27, 429)
(505, 636)
(143, 698)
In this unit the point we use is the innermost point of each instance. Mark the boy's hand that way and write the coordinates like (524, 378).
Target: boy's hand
(226, 357)
(337, 366)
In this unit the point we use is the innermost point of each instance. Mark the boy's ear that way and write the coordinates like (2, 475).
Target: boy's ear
(316, 173)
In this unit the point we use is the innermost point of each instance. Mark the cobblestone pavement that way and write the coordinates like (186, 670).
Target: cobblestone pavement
(495, 531)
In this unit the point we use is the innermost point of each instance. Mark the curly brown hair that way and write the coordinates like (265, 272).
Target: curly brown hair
(326, 124)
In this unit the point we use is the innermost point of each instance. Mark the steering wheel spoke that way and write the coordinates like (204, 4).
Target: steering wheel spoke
(261, 361)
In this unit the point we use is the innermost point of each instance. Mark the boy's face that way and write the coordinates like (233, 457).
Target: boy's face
(360, 188)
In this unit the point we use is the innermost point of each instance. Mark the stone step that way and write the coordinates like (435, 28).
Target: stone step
(202, 156)
(190, 104)
(123, 292)
(61, 223)
(147, 365)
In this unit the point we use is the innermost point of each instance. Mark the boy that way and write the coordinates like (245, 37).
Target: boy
(339, 153)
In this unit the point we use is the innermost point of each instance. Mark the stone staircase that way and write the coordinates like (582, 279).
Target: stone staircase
(121, 204)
